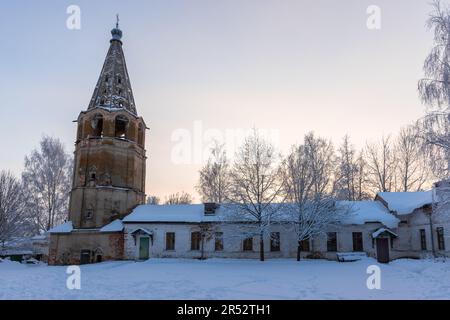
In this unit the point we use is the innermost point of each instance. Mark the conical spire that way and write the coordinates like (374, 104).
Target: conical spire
(113, 90)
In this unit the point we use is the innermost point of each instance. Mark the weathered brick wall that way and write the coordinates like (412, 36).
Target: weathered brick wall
(66, 248)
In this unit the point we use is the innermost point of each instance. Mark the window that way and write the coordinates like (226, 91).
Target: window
(196, 238)
(248, 244)
(304, 245)
(218, 243)
(440, 238)
(119, 80)
(357, 241)
(274, 241)
(423, 239)
(121, 127)
(97, 125)
(106, 79)
(332, 241)
(170, 241)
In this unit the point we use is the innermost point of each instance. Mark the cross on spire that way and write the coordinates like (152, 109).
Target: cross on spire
(117, 21)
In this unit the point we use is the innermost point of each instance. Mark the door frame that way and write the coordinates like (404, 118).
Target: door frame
(139, 247)
(382, 243)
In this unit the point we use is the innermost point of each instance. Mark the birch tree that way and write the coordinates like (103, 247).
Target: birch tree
(255, 187)
(47, 180)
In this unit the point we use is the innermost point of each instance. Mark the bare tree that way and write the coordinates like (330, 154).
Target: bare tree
(12, 205)
(154, 200)
(380, 161)
(214, 182)
(255, 186)
(178, 198)
(362, 191)
(47, 181)
(412, 167)
(311, 208)
(347, 171)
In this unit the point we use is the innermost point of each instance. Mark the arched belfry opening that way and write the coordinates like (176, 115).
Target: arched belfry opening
(97, 126)
(121, 126)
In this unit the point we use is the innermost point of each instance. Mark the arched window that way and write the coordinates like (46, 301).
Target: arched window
(121, 126)
(97, 125)
(119, 80)
(140, 134)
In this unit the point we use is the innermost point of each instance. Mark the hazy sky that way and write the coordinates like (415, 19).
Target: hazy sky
(225, 65)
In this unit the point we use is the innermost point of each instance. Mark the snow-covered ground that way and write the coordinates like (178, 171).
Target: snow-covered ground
(228, 279)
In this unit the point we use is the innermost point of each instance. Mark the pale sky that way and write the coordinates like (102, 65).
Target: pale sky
(289, 67)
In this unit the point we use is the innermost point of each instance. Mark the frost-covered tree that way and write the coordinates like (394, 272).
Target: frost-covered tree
(214, 182)
(310, 206)
(380, 161)
(434, 91)
(255, 187)
(178, 198)
(12, 207)
(47, 181)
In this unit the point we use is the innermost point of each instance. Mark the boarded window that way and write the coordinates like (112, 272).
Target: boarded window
(274, 241)
(423, 239)
(332, 241)
(196, 238)
(218, 243)
(248, 244)
(440, 238)
(357, 241)
(304, 245)
(170, 241)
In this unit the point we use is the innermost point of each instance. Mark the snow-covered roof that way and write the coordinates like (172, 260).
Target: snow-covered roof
(406, 202)
(192, 213)
(382, 230)
(362, 212)
(115, 226)
(66, 227)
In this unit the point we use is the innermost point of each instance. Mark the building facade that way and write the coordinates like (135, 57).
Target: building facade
(108, 220)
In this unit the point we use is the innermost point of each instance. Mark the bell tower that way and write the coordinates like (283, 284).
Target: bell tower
(109, 159)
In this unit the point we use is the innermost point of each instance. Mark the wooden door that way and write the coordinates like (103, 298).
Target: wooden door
(383, 250)
(143, 248)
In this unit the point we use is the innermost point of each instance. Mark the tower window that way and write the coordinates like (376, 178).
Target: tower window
(97, 125)
(106, 79)
(121, 126)
(119, 92)
(119, 80)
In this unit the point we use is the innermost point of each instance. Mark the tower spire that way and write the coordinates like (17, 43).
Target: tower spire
(113, 89)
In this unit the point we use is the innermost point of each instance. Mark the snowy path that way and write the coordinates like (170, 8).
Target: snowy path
(228, 279)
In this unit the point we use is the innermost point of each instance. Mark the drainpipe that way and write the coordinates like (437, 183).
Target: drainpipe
(433, 249)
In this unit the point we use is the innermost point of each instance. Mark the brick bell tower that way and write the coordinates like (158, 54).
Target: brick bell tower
(109, 167)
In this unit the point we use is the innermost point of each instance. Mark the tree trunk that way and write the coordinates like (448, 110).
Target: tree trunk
(299, 248)
(261, 248)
